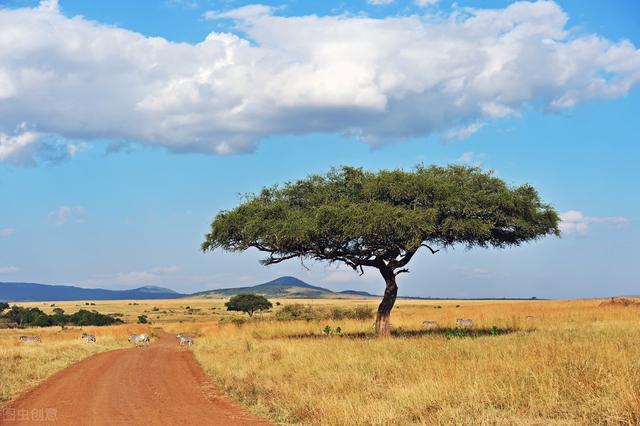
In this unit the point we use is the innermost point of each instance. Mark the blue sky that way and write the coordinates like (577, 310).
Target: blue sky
(94, 193)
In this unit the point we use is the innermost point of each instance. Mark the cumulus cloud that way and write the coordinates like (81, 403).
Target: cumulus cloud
(379, 80)
(8, 269)
(7, 232)
(67, 214)
(576, 222)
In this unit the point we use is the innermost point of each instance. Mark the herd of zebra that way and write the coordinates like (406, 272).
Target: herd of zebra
(466, 322)
(89, 338)
(460, 321)
(137, 339)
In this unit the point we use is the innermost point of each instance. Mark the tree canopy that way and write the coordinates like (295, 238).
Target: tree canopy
(248, 303)
(381, 219)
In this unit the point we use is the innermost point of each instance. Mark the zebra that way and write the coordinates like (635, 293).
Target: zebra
(89, 338)
(30, 339)
(139, 338)
(186, 340)
(430, 324)
(464, 322)
(179, 336)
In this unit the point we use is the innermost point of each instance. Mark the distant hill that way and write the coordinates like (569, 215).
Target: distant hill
(357, 293)
(283, 287)
(30, 292)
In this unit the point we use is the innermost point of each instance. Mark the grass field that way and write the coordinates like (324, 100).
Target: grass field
(574, 362)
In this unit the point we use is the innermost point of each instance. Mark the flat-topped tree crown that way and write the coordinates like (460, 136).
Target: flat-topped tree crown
(381, 219)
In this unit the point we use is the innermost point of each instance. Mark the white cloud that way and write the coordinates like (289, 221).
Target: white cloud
(463, 132)
(426, 3)
(67, 214)
(252, 11)
(73, 149)
(8, 269)
(576, 222)
(471, 158)
(16, 148)
(379, 2)
(7, 232)
(382, 80)
(133, 278)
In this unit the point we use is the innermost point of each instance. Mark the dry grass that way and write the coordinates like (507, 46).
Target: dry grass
(157, 311)
(575, 363)
(24, 365)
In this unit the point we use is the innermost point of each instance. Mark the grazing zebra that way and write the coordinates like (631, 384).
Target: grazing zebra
(30, 339)
(139, 339)
(89, 338)
(430, 324)
(186, 340)
(464, 322)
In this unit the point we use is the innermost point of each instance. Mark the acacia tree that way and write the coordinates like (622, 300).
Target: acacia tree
(381, 219)
(248, 303)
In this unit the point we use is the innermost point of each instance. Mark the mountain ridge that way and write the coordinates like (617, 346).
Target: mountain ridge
(283, 287)
(33, 292)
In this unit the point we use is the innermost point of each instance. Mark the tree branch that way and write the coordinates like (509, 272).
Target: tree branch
(432, 250)
(271, 260)
(302, 262)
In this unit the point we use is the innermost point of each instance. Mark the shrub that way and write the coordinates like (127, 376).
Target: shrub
(298, 311)
(142, 319)
(83, 317)
(363, 312)
(42, 321)
(237, 320)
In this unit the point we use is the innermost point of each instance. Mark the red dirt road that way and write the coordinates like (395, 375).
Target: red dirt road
(160, 384)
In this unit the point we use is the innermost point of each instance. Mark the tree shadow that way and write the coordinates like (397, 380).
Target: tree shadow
(448, 332)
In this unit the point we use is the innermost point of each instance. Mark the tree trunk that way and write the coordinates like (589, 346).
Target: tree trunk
(383, 325)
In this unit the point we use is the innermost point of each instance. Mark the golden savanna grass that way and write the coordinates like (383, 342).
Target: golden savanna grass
(575, 363)
(24, 365)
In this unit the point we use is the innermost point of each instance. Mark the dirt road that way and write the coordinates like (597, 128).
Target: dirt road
(160, 384)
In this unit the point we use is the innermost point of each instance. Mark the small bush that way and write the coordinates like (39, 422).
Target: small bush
(298, 311)
(238, 320)
(142, 319)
